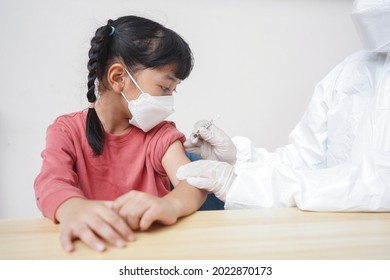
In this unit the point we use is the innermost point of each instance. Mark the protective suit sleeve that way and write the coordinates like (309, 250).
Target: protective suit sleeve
(346, 187)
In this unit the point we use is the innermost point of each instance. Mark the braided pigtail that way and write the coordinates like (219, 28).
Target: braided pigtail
(96, 65)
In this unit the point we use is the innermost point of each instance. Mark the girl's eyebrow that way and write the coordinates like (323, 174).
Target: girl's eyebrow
(172, 78)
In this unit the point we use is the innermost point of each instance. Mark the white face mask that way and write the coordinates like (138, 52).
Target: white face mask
(147, 110)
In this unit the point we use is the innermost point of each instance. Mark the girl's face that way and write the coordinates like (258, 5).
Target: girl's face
(154, 81)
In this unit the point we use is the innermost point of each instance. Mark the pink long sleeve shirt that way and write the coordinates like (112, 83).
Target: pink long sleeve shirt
(132, 161)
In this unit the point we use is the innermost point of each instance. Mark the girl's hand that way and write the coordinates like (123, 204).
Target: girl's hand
(141, 209)
(93, 222)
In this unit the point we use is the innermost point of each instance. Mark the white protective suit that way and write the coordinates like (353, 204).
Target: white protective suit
(338, 156)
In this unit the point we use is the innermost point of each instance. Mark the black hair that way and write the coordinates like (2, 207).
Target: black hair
(137, 42)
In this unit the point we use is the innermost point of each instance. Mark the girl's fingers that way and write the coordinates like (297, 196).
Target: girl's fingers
(94, 242)
(106, 233)
(157, 213)
(132, 206)
(86, 235)
(95, 224)
(148, 218)
(119, 225)
(132, 214)
(66, 240)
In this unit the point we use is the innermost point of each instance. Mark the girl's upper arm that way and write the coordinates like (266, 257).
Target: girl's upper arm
(173, 159)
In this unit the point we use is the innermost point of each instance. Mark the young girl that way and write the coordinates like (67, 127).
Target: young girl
(106, 170)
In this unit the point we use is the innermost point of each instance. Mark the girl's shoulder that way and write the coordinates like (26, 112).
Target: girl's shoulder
(72, 118)
(70, 122)
(166, 129)
(159, 139)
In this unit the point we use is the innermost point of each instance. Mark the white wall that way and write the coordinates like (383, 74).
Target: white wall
(256, 64)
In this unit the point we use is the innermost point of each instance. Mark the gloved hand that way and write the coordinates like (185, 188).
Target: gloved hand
(212, 143)
(213, 176)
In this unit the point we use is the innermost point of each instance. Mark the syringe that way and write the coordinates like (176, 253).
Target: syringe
(196, 135)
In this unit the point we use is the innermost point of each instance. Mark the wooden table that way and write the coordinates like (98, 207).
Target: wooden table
(236, 234)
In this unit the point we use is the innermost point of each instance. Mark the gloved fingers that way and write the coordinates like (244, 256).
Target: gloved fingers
(199, 124)
(207, 151)
(195, 136)
(193, 140)
(220, 145)
(189, 144)
(200, 168)
(213, 176)
(193, 150)
(215, 136)
(188, 170)
(202, 149)
(212, 143)
(202, 183)
(210, 185)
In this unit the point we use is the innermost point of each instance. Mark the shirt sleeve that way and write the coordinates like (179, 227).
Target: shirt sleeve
(164, 135)
(57, 180)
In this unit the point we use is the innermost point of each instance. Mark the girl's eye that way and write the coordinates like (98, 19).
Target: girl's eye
(166, 90)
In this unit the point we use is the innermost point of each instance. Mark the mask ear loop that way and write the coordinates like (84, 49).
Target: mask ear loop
(125, 97)
(131, 77)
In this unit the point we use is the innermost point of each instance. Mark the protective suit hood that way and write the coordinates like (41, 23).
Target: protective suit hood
(372, 22)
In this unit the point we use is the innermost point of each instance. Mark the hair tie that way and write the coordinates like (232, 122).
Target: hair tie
(112, 30)
(91, 105)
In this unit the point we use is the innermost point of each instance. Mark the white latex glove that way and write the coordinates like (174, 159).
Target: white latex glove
(213, 176)
(212, 143)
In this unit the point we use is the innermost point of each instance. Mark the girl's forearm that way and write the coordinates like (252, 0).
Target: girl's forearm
(185, 198)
